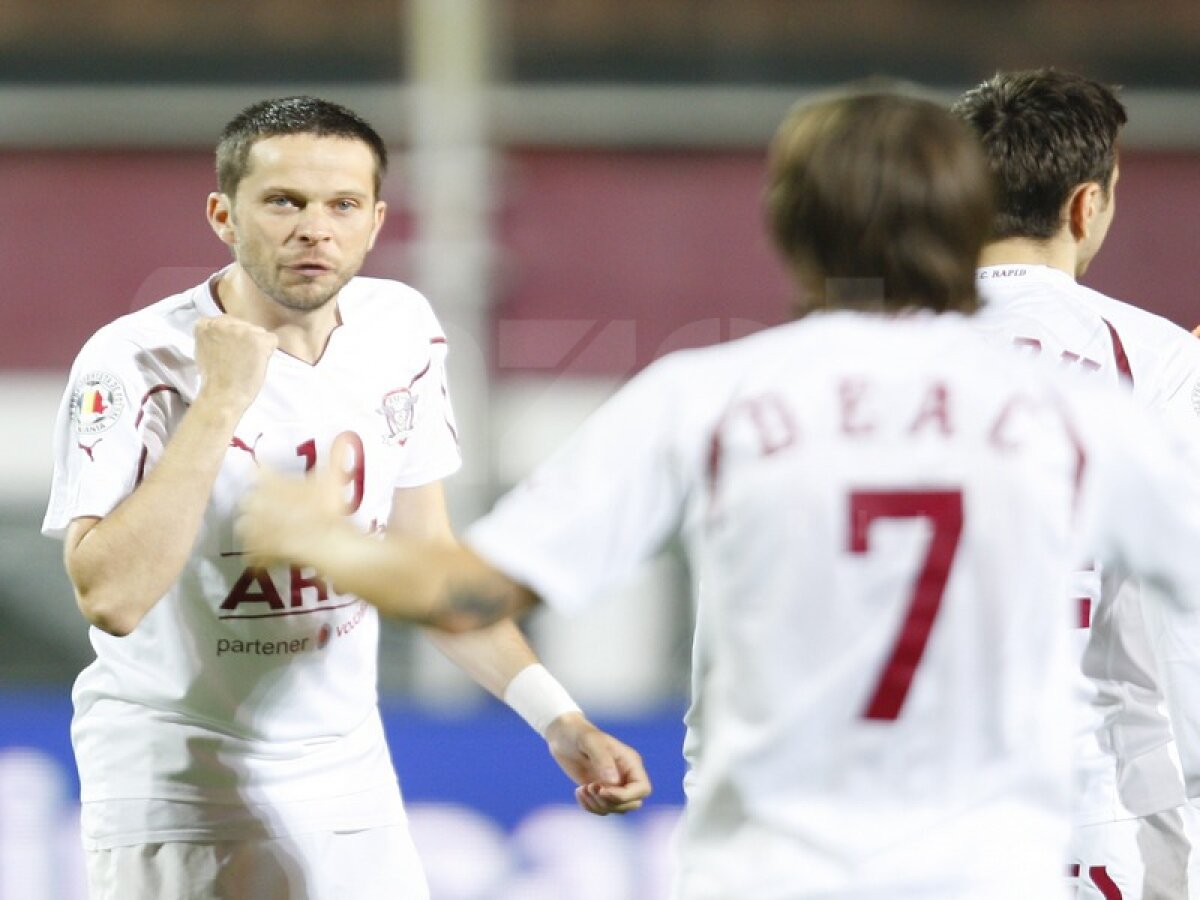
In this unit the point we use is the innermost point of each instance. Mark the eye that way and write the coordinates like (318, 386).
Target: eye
(280, 201)
(345, 205)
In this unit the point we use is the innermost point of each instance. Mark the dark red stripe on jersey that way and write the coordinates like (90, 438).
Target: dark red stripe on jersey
(141, 473)
(437, 340)
(1102, 880)
(714, 460)
(1084, 607)
(421, 374)
(1119, 353)
(157, 389)
(1073, 870)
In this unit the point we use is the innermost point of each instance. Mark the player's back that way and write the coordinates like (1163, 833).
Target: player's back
(882, 549)
(1124, 761)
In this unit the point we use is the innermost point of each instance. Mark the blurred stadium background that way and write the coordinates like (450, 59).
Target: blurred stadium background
(575, 185)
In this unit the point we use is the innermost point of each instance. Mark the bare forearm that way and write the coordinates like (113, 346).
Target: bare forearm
(492, 656)
(434, 583)
(122, 565)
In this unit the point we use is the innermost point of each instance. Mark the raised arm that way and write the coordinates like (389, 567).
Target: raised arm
(420, 574)
(121, 564)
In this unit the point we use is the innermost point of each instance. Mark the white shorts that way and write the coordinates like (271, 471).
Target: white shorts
(375, 864)
(1133, 859)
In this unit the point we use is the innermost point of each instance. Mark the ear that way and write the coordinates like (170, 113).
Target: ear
(1083, 205)
(380, 215)
(220, 218)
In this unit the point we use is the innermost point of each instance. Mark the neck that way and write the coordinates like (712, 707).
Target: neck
(1053, 252)
(302, 333)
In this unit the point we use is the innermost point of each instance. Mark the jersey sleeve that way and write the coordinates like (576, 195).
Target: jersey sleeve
(604, 503)
(1143, 518)
(431, 447)
(111, 427)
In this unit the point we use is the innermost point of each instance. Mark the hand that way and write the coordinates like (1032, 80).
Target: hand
(610, 774)
(291, 519)
(232, 357)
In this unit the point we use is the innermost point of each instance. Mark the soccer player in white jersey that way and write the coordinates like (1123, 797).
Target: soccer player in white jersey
(1050, 137)
(227, 736)
(880, 510)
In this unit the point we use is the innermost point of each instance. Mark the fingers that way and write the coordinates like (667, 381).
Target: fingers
(598, 750)
(264, 517)
(622, 783)
(232, 356)
(603, 800)
(285, 518)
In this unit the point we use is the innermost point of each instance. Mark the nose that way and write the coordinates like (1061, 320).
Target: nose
(313, 225)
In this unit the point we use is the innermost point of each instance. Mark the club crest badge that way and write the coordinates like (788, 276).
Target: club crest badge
(97, 403)
(399, 412)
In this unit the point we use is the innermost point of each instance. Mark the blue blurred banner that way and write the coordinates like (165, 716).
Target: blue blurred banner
(491, 812)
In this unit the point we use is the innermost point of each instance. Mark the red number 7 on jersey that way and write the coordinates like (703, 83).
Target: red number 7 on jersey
(944, 511)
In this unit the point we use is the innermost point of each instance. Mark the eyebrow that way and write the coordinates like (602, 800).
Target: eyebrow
(271, 190)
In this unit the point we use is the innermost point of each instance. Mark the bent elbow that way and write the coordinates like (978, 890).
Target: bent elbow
(105, 613)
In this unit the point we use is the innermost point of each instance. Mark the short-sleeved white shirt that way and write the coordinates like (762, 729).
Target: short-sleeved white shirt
(879, 514)
(244, 703)
(1127, 758)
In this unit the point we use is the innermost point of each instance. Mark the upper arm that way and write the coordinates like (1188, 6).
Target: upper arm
(602, 505)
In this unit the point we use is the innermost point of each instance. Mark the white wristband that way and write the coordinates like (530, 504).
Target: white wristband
(538, 698)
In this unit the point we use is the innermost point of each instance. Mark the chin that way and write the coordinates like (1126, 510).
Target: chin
(303, 303)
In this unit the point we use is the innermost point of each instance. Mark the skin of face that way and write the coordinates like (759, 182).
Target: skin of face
(303, 218)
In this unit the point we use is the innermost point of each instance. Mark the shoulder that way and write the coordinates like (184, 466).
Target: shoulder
(161, 326)
(376, 301)
(1132, 320)
(712, 372)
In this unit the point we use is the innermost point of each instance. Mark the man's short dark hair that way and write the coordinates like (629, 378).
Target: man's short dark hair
(1045, 133)
(290, 115)
(879, 201)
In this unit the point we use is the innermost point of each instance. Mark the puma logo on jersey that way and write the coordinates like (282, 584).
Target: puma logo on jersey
(238, 444)
(89, 450)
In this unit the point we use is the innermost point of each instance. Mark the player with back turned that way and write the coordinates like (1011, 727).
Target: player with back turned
(228, 736)
(1050, 138)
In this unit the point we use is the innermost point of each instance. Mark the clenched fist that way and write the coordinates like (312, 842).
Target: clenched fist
(232, 357)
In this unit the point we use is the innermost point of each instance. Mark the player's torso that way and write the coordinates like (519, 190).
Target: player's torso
(261, 649)
(874, 642)
(1119, 721)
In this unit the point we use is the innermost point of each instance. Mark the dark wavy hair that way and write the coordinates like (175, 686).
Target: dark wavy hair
(1045, 133)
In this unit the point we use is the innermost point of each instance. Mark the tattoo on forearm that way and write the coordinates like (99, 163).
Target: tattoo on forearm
(481, 608)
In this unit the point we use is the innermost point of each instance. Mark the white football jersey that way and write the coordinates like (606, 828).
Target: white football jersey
(245, 689)
(1127, 762)
(880, 515)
